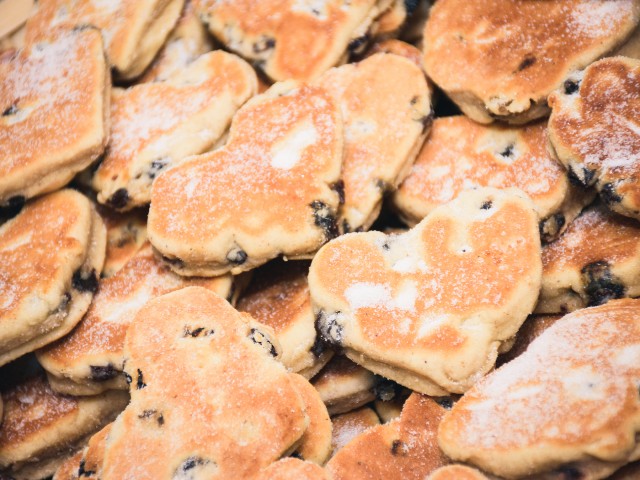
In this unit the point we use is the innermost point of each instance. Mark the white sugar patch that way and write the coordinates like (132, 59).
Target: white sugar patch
(431, 323)
(597, 18)
(409, 265)
(584, 383)
(124, 311)
(368, 295)
(365, 294)
(192, 186)
(288, 152)
(628, 357)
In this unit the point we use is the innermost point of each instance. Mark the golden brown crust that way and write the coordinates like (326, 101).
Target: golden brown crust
(386, 107)
(405, 306)
(134, 30)
(457, 472)
(52, 254)
(461, 154)
(189, 353)
(40, 425)
(579, 272)
(571, 398)
(349, 425)
(406, 448)
(531, 329)
(400, 48)
(513, 53)
(291, 40)
(126, 234)
(38, 101)
(594, 130)
(278, 296)
(344, 385)
(188, 40)
(93, 351)
(157, 125)
(267, 154)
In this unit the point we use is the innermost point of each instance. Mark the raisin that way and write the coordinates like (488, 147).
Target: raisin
(85, 282)
(324, 218)
(528, 61)
(102, 373)
(600, 284)
(119, 199)
(259, 338)
(571, 87)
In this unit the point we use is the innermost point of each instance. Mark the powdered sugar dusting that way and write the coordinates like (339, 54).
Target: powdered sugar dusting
(592, 17)
(371, 295)
(461, 155)
(115, 305)
(599, 128)
(578, 379)
(36, 88)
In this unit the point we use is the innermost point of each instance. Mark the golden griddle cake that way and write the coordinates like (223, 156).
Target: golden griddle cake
(431, 308)
(54, 104)
(349, 425)
(133, 30)
(344, 385)
(461, 154)
(386, 107)
(569, 403)
(457, 472)
(89, 360)
(292, 468)
(284, 153)
(157, 125)
(126, 234)
(278, 296)
(405, 448)
(315, 444)
(188, 355)
(41, 428)
(595, 132)
(289, 39)
(596, 259)
(504, 57)
(51, 255)
(188, 40)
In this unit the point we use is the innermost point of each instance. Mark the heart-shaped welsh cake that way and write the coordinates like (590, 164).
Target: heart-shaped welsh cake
(267, 192)
(431, 308)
